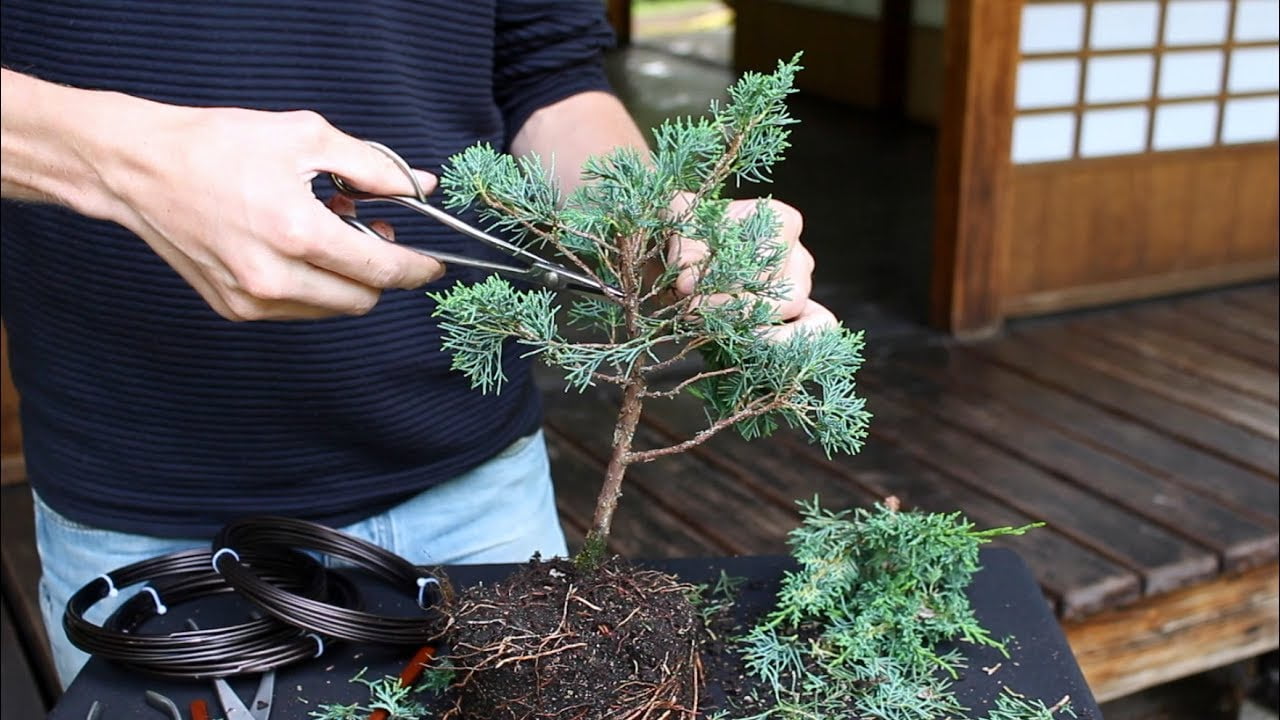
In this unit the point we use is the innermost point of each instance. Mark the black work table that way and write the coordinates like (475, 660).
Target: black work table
(1005, 597)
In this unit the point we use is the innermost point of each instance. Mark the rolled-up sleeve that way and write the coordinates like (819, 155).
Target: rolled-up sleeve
(546, 52)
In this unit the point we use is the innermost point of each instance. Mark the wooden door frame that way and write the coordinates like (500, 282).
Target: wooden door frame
(972, 191)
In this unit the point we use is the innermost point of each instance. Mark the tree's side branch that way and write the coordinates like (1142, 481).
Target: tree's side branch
(687, 382)
(601, 244)
(713, 180)
(680, 306)
(721, 171)
(682, 354)
(613, 379)
(751, 410)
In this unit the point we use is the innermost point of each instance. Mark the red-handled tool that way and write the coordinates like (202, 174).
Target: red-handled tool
(410, 674)
(199, 710)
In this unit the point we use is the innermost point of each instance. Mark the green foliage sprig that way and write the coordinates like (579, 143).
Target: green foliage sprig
(856, 629)
(1011, 705)
(716, 600)
(386, 693)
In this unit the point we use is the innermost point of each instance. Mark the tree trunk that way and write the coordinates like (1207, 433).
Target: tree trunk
(623, 435)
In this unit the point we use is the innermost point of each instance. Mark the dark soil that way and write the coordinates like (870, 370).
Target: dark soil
(618, 643)
(734, 687)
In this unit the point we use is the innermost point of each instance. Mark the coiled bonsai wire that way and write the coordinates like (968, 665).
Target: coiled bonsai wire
(320, 617)
(178, 578)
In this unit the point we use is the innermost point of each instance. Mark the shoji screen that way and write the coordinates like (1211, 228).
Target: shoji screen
(1144, 149)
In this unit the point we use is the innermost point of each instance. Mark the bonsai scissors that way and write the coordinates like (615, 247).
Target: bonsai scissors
(537, 270)
(232, 705)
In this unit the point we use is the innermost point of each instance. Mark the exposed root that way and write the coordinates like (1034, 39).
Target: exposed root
(553, 642)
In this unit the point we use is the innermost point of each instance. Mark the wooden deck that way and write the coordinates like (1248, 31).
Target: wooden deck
(1146, 438)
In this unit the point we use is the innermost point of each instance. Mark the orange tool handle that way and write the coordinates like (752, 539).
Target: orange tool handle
(410, 674)
(199, 710)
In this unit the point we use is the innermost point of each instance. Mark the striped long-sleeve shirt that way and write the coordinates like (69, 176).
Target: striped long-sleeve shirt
(144, 411)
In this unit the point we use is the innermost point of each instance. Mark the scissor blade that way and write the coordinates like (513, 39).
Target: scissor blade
(540, 271)
(261, 709)
(569, 279)
(232, 706)
(450, 221)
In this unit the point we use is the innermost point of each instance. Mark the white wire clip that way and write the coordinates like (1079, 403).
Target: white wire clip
(423, 582)
(111, 586)
(160, 607)
(319, 643)
(218, 554)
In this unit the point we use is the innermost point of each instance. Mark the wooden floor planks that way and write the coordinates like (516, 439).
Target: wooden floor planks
(1236, 536)
(1161, 558)
(1246, 491)
(1188, 354)
(1105, 352)
(1052, 365)
(1224, 339)
(1145, 436)
(1231, 315)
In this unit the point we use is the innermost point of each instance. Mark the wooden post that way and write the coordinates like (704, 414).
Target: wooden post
(619, 13)
(895, 48)
(975, 131)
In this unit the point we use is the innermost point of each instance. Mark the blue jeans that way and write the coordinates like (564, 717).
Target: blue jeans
(502, 512)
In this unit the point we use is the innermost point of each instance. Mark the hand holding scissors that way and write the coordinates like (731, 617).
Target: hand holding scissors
(531, 268)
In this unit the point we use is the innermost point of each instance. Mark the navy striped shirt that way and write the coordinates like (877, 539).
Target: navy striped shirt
(143, 411)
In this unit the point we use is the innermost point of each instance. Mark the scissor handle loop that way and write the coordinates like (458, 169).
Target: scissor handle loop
(344, 186)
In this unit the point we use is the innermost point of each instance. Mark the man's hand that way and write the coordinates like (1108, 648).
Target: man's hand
(594, 123)
(797, 310)
(222, 194)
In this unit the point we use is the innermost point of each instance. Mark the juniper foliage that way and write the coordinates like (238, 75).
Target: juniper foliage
(1011, 705)
(855, 629)
(398, 701)
(617, 227)
(624, 225)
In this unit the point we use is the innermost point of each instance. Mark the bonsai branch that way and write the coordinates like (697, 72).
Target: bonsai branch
(687, 382)
(754, 409)
(603, 247)
(681, 355)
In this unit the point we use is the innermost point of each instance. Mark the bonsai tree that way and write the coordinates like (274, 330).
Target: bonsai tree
(599, 639)
(620, 228)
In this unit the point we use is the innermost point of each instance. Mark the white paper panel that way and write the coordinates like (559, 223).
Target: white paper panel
(1188, 73)
(1043, 138)
(1258, 20)
(1124, 24)
(1185, 125)
(929, 13)
(1047, 83)
(1251, 120)
(1254, 69)
(1118, 78)
(1117, 131)
(1196, 22)
(1052, 27)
